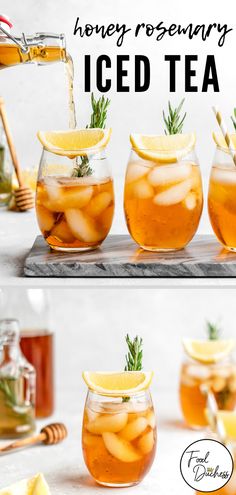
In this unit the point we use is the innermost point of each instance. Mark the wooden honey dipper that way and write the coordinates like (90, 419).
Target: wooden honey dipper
(23, 195)
(49, 435)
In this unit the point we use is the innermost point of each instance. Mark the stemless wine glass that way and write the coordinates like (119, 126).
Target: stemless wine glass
(222, 198)
(195, 378)
(119, 438)
(162, 201)
(74, 199)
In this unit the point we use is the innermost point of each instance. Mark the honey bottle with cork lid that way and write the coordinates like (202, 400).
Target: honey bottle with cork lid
(17, 384)
(31, 308)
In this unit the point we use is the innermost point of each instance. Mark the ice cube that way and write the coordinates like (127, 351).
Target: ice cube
(135, 171)
(62, 232)
(218, 384)
(146, 442)
(198, 372)
(174, 194)
(166, 174)
(92, 415)
(151, 419)
(120, 448)
(82, 226)
(108, 422)
(99, 203)
(76, 197)
(224, 176)
(190, 201)
(142, 189)
(134, 429)
(68, 196)
(45, 218)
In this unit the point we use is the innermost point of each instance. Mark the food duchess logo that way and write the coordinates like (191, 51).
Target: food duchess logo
(121, 33)
(206, 465)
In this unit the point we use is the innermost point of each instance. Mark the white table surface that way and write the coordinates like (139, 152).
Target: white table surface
(66, 473)
(17, 235)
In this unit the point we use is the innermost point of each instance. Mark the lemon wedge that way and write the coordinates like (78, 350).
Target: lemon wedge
(220, 140)
(228, 418)
(77, 142)
(119, 384)
(163, 149)
(36, 485)
(208, 351)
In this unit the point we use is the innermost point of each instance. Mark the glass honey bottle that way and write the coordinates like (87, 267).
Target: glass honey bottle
(17, 384)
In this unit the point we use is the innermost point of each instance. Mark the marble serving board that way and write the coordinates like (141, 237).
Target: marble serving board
(120, 257)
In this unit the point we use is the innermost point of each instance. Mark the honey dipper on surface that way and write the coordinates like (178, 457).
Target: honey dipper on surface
(24, 197)
(49, 435)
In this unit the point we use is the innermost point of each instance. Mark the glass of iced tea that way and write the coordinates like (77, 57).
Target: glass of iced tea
(196, 378)
(162, 200)
(119, 438)
(74, 199)
(222, 198)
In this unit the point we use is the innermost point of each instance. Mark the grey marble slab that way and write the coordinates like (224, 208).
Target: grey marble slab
(120, 257)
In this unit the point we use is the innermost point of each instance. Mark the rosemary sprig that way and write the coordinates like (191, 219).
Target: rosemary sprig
(233, 118)
(134, 356)
(98, 119)
(213, 331)
(8, 393)
(99, 113)
(174, 122)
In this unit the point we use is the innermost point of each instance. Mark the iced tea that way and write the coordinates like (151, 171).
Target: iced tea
(220, 378)
(74, 213)
(119, 441)
(163, 203)
(222, 204)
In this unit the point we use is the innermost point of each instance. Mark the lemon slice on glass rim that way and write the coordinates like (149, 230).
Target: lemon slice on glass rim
(76, 142)
(208, 351)
(220, 140)
(119, 384)
(163, 149)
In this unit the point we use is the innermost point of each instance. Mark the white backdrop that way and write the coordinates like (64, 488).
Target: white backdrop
(36, 97)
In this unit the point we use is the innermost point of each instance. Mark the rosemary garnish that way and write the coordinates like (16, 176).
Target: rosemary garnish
(99, 113)
(174, 122)
(10, 397)
(135, 354)
(134, 357)
(233, 118)
(213, 331)
(97, 120)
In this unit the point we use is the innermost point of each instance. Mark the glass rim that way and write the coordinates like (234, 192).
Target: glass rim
(79, 152)
(164, 152)
(141, 393)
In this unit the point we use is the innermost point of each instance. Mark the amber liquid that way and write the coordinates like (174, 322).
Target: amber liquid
(10, 55)
(38, 350)
(221, 380)
(74, 213)
(118, 446)
(222, 205)
(163, 204)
